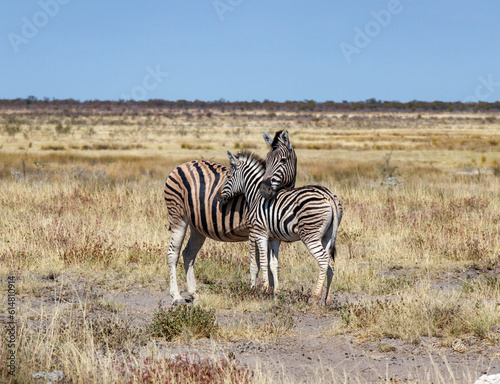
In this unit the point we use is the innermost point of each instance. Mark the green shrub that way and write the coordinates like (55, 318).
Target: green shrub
(192, 321)
(60, 129)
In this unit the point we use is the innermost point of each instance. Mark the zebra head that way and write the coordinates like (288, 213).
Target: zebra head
(246, 171)
(233, 184)
(281, 165)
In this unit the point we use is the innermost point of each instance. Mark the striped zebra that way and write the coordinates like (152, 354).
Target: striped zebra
(311, 214)
(191, 197)
(281, 166)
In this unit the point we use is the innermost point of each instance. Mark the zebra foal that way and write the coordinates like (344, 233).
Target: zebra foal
(311, 214)
(191, 197)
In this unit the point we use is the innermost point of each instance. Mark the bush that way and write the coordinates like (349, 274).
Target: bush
(388, 174)
(60, 129)
(192, 321)
(12, 125)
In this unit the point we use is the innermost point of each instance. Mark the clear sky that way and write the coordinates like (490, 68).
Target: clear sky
(251, 49)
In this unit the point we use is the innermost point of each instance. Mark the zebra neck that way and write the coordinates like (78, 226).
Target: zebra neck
(253, 177)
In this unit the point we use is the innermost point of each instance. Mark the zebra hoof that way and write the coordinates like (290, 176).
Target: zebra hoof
(193, 297)
(268, 290)
(177, 302)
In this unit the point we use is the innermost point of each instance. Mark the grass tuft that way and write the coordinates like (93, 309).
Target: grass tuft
(413, 317)
(239, 290)
(183, 369)
(92, 251)
(186, 320)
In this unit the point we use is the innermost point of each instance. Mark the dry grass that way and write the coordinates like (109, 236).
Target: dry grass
(418, 244)
(419, 312)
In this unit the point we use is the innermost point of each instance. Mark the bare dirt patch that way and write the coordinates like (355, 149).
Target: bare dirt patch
(309, 353)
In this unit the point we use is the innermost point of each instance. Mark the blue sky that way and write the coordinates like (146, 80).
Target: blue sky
(251, 49)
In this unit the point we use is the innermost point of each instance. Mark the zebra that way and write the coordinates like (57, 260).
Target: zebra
(311, 214)
(190, 195)
(281, 166)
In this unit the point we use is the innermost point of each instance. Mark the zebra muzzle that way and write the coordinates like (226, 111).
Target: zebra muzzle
(221, 199)
(266, 190)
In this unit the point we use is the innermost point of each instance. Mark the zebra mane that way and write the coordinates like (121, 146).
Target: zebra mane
(251, 157)
(276, 141)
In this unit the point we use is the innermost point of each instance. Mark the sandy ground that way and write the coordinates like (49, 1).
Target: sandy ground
(306, 356)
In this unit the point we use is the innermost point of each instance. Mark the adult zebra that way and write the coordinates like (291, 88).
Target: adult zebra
(311, 214)
(191, 197)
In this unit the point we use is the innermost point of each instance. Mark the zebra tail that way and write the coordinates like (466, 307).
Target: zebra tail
(334, 226)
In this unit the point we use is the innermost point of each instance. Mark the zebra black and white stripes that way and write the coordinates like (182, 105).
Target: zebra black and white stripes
(311, 214)
(190, 195)
(281, 166)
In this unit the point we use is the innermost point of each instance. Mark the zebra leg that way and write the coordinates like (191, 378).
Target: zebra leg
(329, 240)
(322, 257)
(196, 240)
(329, 276)
(329, 245)
(178, 233)
(262, 246)
(254, 262)
(274, 248)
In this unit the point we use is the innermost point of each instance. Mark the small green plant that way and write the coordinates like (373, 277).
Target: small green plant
(191, 321)
(61, 129)
(12, 125)
(388, 174)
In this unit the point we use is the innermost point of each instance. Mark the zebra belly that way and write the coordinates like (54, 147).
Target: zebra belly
(283, 228)
(293, 211)
(221, 223)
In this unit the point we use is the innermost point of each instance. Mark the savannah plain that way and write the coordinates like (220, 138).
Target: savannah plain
(84, 230)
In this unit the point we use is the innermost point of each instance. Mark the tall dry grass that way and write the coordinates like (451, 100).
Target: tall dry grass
(418, 245)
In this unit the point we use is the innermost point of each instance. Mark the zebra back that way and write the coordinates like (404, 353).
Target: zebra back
(190, 194)
(291, 211)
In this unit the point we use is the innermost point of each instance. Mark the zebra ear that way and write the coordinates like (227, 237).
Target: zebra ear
(232, 159)
(267, 138)
(285, 139)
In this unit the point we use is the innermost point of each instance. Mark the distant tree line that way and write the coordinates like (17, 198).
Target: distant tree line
(228, 106)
